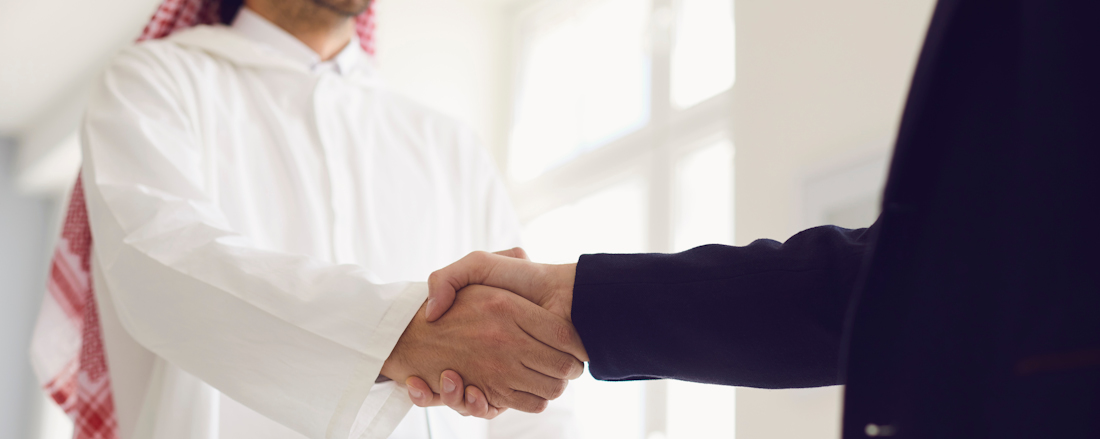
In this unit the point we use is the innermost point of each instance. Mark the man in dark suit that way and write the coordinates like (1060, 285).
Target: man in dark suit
(971, 308)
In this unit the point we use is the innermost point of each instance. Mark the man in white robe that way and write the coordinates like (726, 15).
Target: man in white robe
(264, 213)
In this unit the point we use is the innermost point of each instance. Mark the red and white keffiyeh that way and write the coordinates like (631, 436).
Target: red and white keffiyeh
(175, 15)
(67, 350)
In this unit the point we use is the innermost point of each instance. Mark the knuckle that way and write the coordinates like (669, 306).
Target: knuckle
(558, 389)
(496, 398)
(479, 257)
(565, 367)
(496, 367)
(496, 338)
(498, 304)
(563, 334)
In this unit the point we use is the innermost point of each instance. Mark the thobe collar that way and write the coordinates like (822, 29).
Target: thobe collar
(256, 51)
(277, 41)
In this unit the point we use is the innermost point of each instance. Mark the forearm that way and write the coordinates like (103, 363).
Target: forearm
(764, 315)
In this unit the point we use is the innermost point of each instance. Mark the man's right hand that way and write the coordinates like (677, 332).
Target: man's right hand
(549, 286)
(492, 337)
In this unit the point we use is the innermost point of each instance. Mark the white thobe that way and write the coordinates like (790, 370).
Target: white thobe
(262, 225)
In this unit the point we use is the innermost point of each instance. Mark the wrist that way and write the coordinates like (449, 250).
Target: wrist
(562, 278)
(394, 367)
(390, 370)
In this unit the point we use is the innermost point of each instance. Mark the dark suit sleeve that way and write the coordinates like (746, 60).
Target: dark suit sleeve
(764, 315)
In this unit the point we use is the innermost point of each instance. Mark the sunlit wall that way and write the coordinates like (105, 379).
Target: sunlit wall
(23, 226)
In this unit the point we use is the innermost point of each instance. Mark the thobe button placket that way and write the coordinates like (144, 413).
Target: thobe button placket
(338, 178)
(879, 430)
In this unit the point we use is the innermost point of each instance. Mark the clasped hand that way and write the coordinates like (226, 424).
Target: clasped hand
(501, 320)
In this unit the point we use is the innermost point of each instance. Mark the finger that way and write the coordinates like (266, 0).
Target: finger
(539, 385)
(554, 363)
(551, 330)
(451, 387)
(526, 402)
(476, 403)
(517, 275)
(479, 406)
(421, 394)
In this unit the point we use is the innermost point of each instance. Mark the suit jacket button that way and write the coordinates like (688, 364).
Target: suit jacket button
(876, 430)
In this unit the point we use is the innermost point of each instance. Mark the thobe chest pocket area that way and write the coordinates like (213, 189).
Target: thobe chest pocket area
(385, 176)
(328, 166)
(267, 172)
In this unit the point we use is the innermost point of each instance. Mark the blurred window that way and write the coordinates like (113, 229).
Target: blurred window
(609, 220)
(620, 141)
(699, 411)
(702, 51)
(585, 80)
(704, 197)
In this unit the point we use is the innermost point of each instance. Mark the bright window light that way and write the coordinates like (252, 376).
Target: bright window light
(609, 220)
(700, 411)
(584, 81)
(704, 197)
(703, 51)
(609, 410)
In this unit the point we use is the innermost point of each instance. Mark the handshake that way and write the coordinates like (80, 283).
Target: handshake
(497, 332)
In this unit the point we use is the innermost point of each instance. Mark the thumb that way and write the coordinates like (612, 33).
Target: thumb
(474, 268)
(514, 252)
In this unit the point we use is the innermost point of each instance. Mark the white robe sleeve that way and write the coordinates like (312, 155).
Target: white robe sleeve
(297, 339)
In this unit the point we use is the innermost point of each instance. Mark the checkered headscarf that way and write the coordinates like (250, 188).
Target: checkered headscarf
(67, 350)
(174, 15)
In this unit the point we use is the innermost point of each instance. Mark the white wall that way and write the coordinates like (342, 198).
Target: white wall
(447, 54)
(815, 80)
(24, 223)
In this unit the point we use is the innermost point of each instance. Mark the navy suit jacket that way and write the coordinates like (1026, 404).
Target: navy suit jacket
(970, 309)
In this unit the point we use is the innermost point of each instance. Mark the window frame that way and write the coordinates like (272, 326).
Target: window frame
(650, 152)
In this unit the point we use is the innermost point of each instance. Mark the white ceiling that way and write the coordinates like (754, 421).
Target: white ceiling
(50, 48)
